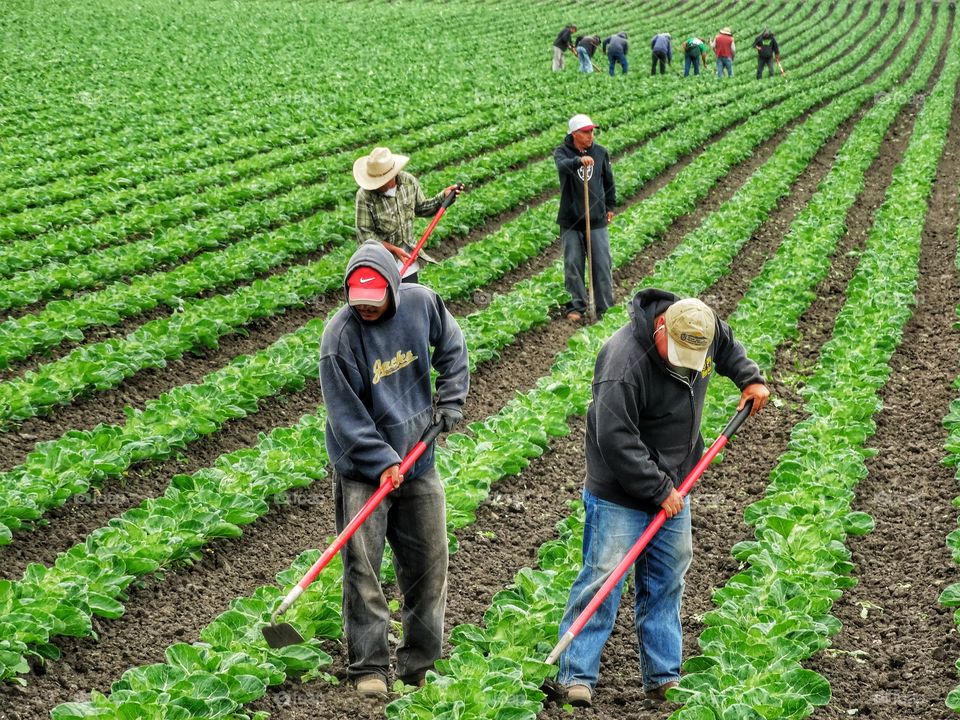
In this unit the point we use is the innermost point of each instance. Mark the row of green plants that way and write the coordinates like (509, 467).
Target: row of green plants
(514, 626)
(274, 100)
(498, 253)
(145, 519)
(546, 407)
(774, 614)
(240, 155)
(263, 202)
(55, 471)
(173, 243)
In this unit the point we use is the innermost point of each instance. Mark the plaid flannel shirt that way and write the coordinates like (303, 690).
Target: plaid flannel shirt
(390, 219)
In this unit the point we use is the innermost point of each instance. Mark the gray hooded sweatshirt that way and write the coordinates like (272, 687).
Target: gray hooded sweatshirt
(375, 377)
(643, 425)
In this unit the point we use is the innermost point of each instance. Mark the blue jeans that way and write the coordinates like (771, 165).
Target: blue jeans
(724, 63)
(609, 533)
(689, 60)
(586, 65)
(413, 519)
(574, 260)
(617, 57)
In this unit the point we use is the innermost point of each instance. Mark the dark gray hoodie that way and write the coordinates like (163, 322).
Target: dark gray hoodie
(375, 377)
(643, 425)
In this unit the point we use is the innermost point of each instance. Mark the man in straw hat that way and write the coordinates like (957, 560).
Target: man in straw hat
(388, 200)
(724, 48)
(376, 356)
(642, 438)
(580, 160)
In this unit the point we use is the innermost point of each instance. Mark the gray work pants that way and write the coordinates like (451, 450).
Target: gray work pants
(574, 261)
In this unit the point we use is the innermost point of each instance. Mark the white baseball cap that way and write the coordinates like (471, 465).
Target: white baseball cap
(580, 122)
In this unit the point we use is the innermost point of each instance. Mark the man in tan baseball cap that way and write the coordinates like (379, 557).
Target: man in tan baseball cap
(642, 438)
(388, 200)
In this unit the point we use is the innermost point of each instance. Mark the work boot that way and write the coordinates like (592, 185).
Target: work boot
(580, 696)
(660, 694)
(574, 316)
(372, 686)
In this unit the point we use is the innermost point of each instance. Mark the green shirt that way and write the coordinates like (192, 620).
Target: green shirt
(695, 46)
(390, 219)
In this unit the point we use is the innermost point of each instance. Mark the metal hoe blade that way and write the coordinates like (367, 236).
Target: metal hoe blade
(281, 635)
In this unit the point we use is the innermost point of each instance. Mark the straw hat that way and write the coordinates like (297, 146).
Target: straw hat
(378, 168)
(726, 31)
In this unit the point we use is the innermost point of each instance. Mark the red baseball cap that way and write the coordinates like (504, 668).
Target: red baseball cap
(366, 286)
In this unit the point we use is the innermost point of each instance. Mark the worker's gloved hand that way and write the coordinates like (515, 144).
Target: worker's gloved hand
(447, 418)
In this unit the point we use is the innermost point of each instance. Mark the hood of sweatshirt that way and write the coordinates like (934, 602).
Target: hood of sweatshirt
(376, 256)
(643, 310)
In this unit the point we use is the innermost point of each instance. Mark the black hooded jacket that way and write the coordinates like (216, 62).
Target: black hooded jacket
(603, 195)
(643, 425)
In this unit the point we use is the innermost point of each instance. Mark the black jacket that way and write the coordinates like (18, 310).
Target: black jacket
(643, 425)
(768, 46)
(563, 39)
(590, 42)
(603, 196)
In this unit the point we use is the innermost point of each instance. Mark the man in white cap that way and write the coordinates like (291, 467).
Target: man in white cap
(387, 202)
(643, 437)
(579, 159)
(376, 356)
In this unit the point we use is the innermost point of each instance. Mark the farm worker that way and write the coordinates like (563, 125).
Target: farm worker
(388, 200)
(694, 50)
(724, 48)
(376, 356)
(767, 50)
(563, 43)
(586, 47)
(616, 47)
(642, 438)
(577, 158)
(662, 52)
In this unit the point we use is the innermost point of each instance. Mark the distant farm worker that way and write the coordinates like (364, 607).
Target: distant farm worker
(376, 355)
(586, 47)
(561, 45)
(642, 438)
(662, 52)
(694, 51)
(724, 48)
(388, 200)
(579, 159)
(616, 47)
(767, 51)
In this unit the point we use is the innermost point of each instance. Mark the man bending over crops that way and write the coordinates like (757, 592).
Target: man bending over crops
(375, 360)
(388, 200)
(582, 162)
(643, 437)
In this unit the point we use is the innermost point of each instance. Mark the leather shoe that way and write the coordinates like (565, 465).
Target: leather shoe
(660, 694)
(580, 696)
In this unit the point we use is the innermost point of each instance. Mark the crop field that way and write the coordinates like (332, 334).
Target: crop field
(176, 212)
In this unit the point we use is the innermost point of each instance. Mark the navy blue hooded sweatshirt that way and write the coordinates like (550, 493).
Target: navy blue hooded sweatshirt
(643, 425)
(375, 377)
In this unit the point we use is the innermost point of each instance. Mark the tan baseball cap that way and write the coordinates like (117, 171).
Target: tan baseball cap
(690, 328)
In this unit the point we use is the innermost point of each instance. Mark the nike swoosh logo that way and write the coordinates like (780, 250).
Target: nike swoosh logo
(365, 280)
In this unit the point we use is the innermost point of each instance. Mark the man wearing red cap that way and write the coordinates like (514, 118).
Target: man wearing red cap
(376, 356)
(580, 160)
(643, 437)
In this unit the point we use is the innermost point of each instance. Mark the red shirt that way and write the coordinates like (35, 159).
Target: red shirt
(722, 45)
